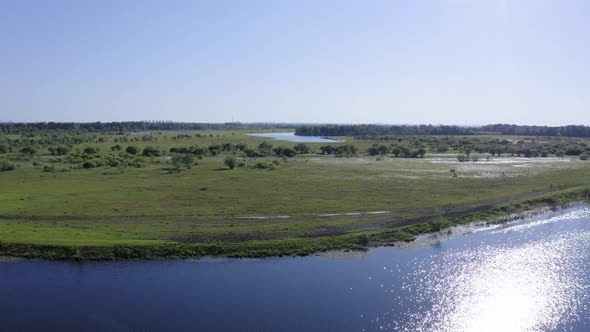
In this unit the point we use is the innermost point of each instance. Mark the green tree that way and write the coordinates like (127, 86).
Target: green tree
(132, 150)
(183, 160)
(327, 149)
(62, 150)
(373, 150)
(383, 149)
(28, 150)
(150, 151)
(302, 148)
(188, 160)
(421, 152)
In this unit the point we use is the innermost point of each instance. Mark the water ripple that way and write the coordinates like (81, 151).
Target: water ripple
(534, 280)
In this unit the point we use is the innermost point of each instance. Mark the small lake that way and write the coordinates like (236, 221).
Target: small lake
(294, 138)
(532, 275)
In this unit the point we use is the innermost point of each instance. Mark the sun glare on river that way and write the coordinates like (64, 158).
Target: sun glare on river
(522, 282)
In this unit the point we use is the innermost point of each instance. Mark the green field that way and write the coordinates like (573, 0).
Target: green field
(307, 203)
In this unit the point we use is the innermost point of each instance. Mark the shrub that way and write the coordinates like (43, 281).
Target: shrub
(90, 150)
(89, 164)
(151, 151)
(302, 148)
(4, 148)
(132, 150)
(180, 160)
(584, 156)
(28, 150)
(61, 150)
(230, 162)
(6, 166)
(264, 165)
(284, 151)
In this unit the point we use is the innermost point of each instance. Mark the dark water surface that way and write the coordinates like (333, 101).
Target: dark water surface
(528, 276)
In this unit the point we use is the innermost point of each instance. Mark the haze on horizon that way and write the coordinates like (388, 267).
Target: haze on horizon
(413, 62)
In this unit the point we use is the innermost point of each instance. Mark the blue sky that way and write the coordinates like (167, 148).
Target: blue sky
(462, 62)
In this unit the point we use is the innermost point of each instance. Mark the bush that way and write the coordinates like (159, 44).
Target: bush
(132, 150)
(302, 148)
(90, 150)
(61, 150)
(284, 151)
(28, 150)
(180, 160)
(462, 158)
(6, 166)
(265, 165)
(89, 164)
(230, 162)
(584, 156)
(151, 151)
(573, 151)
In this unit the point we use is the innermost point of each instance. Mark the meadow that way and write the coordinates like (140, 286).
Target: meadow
(146, 206)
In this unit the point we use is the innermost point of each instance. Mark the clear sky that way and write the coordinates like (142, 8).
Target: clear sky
(462, 62)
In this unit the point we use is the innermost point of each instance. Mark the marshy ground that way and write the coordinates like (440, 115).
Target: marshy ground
(306, 203)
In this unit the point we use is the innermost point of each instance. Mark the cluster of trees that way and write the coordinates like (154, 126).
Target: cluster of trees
(183, 160)
(58, 151)
(367, 131)
(91, 158)
(531, 147)
(340, 150)
(264, 149)
(397, 150)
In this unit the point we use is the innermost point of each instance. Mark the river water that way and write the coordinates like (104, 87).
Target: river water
(532, 275)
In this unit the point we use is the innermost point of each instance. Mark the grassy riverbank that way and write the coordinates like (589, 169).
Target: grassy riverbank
(134, 237)
(129, 249)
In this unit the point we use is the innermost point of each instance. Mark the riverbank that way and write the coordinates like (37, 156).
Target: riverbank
(362, 240)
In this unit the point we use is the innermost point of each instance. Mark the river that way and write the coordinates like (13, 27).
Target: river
(532, 275)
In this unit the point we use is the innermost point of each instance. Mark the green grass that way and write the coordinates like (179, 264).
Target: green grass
(302, 186)
(149, 212)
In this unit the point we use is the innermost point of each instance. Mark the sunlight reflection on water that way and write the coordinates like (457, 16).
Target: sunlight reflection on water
(520, 278)
(504, 289)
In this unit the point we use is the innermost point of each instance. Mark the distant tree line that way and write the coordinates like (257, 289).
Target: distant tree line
(370, 131)
(134, 126)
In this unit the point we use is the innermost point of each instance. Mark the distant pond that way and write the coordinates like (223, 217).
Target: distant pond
(294, 138)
